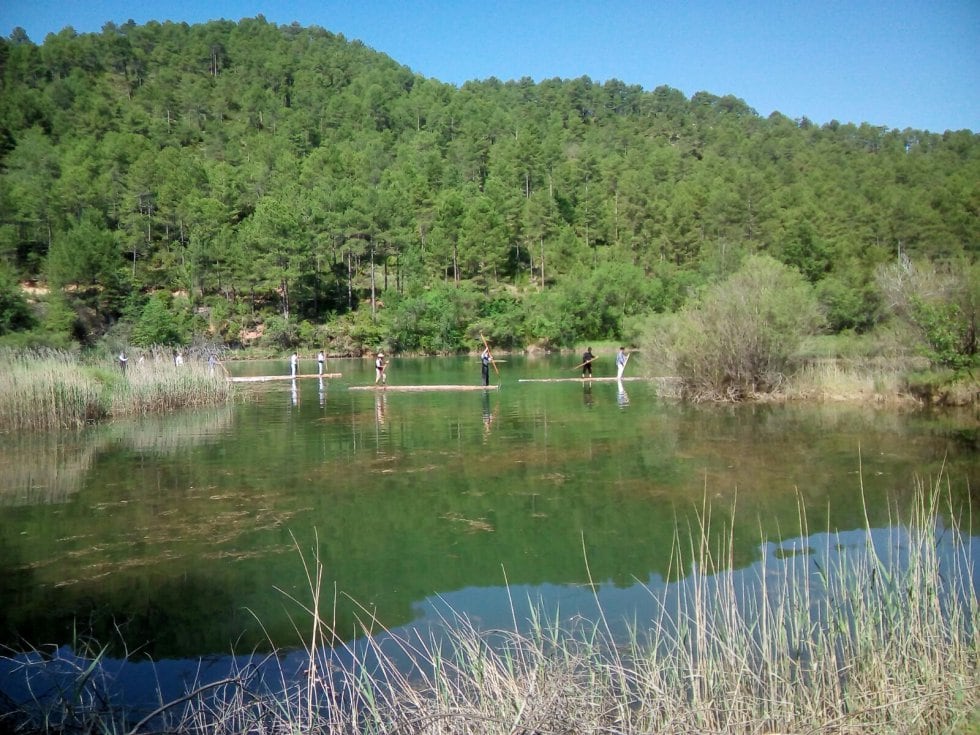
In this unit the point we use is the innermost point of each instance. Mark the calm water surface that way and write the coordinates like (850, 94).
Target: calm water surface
(185, 535)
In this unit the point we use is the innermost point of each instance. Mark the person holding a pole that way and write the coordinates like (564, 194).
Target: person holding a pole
(485, 358)
(587, 358)
(621, 359)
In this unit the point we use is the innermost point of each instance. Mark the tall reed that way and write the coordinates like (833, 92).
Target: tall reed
(871, 631)
(159, 385)
(48, 389)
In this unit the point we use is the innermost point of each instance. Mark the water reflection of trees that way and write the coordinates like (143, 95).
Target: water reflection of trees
(401, 497)
(45, 468)
(167, 434)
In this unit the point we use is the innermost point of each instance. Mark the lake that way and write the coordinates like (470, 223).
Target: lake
(184, 536)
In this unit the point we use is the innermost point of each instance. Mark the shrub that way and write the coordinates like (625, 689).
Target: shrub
(739, 338)
(280, 332)
(941, 302)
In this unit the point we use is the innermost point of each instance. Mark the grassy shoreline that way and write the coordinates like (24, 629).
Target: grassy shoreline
(49, 389)
(865, 633)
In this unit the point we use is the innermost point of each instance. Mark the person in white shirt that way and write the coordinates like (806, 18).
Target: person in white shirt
(621, 359)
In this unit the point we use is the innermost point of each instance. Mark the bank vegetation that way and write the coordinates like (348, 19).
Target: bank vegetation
(52, 389)
(761, 334)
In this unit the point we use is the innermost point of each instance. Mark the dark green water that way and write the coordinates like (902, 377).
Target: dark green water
(185, 535)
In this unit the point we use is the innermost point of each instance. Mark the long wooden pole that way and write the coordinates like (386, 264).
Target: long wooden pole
(492, 361)
(583, 364)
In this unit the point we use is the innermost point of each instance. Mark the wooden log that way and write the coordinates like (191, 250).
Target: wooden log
(582, 380)
(266, 378)
(421, 388)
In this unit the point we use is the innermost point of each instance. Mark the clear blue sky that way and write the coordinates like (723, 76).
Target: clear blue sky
(898, 64)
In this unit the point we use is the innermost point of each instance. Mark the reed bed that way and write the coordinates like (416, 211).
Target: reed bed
(872, 630)
(847, 380)
(158, 386)
(49, 389)
(46, 389)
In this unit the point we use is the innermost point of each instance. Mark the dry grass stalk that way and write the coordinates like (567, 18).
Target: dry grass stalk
(52, 389)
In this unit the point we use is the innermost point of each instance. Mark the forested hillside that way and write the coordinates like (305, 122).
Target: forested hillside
(236, 181)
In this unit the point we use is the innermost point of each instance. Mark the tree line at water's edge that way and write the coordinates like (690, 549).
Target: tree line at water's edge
(280, 186)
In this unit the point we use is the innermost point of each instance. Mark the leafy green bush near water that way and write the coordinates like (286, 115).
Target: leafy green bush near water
(738, 339)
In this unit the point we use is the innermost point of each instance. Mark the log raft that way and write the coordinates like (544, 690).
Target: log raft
(582, 380)
(665, 382)
(266, 378)
(421, 388)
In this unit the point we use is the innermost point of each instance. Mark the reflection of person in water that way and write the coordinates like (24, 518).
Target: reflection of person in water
(587, 395)
(380, 407)
(621, 398)
(487, 413)
(295, 393)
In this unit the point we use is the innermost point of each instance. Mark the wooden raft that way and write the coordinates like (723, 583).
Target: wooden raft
(581, 380)
(420, 388)
(266, 378)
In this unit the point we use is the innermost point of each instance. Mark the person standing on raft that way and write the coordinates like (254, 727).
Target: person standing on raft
(380, 367)
(621, 359)
(587, 358)
(485, 359)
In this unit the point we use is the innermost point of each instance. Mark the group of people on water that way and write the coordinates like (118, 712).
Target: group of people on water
(321, 360)
(486, 361)
(622, 357)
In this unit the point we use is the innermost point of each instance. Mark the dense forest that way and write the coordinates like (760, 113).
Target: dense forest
(248, 183)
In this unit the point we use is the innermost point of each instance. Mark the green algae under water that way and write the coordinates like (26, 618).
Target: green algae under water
(184, 535)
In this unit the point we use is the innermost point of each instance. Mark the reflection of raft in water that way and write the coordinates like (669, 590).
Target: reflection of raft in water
(264, 378)
(420, 388)
(582, 380)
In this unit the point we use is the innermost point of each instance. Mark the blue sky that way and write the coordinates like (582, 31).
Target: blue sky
(898, 64)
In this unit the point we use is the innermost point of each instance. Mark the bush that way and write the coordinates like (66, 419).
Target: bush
(280, 332)
(433, 321)
(738, 340)
(942, 303)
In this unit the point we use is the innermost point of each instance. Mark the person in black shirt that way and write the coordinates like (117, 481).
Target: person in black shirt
(587, 358)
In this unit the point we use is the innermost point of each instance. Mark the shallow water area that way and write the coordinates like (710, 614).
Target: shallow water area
(180, 537)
